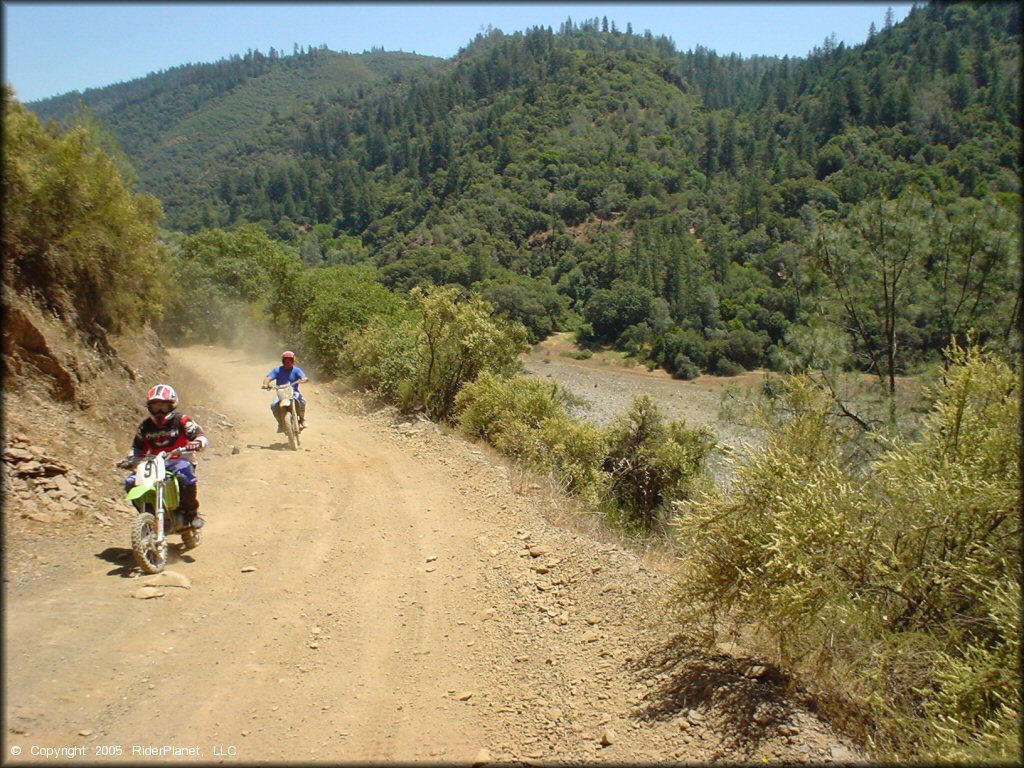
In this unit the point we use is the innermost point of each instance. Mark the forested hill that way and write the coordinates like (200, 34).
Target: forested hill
(182, 127)
(692, 208)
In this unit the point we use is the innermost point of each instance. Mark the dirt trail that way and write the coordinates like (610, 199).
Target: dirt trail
(387, 593)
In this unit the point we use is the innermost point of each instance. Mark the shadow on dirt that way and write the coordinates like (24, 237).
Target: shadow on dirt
(121, 557)
(274, 447)
(124, 560)
(745, 699)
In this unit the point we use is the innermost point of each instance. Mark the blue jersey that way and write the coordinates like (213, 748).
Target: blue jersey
(284, 375)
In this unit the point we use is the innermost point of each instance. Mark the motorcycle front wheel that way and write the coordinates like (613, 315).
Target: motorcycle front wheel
(291, 429)
(150, 555)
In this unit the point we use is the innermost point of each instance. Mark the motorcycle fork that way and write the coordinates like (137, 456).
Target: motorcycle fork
(160, 533)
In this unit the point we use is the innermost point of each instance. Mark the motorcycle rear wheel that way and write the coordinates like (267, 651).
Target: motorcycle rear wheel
(150, 556)
(191, 538)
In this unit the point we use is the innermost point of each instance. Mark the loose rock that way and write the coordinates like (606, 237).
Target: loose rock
(168, 579)
(148, 593)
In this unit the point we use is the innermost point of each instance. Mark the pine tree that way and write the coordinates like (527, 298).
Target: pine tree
(711, 148)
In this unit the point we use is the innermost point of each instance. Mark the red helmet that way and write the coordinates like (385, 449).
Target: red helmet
(160, 402)
(163, 393)
(286, 355)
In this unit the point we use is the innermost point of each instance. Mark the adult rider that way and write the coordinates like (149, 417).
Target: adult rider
(287, 373)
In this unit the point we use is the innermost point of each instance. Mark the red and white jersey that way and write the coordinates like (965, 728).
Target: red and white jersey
(177, 430)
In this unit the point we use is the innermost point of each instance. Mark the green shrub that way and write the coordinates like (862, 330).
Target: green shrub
(533, 302)
(525, 418)
(679, 345)
(428, 357)
(575, 451)
(896, 589)
(488, 406)
(652, 463)
(609, 312)
(342, 299)
(976, 708)
(383, 358)
(724, 366)
(457, 340)
(684, 368)
(75, 236)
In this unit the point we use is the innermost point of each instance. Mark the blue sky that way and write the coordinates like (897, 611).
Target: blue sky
(53, 48)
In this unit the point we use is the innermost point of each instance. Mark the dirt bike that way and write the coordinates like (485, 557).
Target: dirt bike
(156, 495)
(288, 408)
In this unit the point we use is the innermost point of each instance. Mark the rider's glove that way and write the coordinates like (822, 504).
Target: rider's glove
(195, 445)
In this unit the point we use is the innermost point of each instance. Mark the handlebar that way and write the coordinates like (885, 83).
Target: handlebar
(130, 462)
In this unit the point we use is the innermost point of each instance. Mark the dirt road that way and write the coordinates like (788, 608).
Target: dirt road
(387, 593)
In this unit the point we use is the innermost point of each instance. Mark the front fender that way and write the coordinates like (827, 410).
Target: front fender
(139, 491)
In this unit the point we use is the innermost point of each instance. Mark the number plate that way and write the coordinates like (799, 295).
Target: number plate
(151, 470)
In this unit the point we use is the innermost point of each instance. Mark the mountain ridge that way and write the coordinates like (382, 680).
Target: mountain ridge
(578, 162)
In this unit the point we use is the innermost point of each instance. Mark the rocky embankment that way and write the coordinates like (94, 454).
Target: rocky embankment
(47, 488)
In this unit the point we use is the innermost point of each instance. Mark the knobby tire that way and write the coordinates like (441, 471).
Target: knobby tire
(291, 429)
(149, 557)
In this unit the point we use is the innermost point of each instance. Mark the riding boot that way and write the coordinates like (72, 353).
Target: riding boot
(190, 504)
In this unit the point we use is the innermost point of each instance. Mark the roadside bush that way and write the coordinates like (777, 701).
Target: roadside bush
(425, 360)
(572, 451)
(489, 406)
(75, 235)
(341, 299)
(895, 589)
(652, 463)
(458, 340)
(526, 419)
(383, 357)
